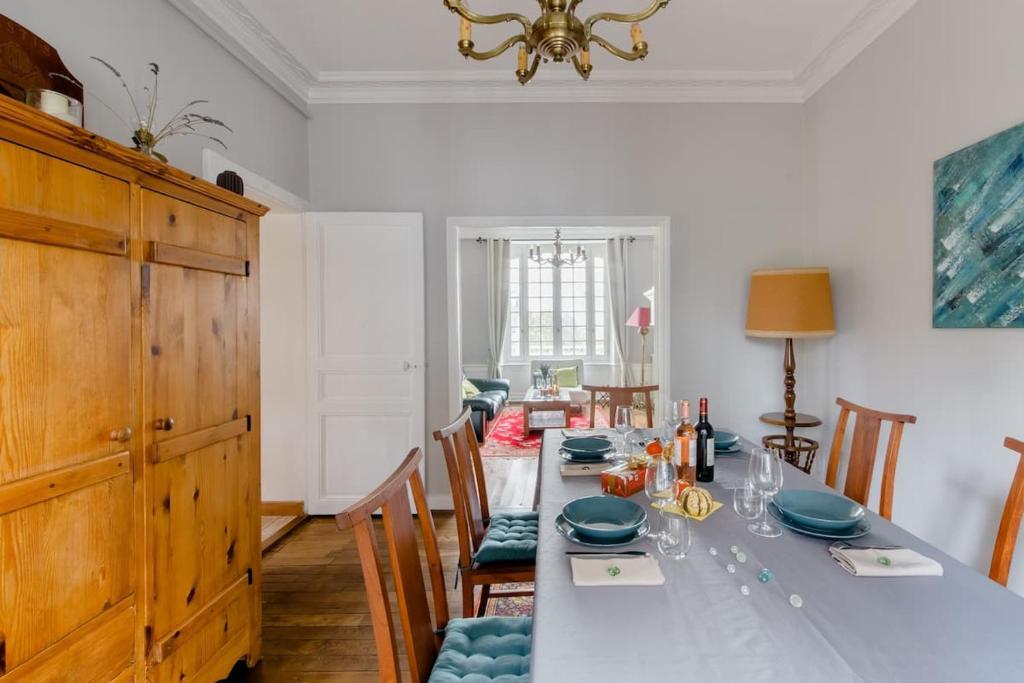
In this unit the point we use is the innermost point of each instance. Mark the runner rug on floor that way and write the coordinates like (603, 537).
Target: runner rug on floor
(506, 439)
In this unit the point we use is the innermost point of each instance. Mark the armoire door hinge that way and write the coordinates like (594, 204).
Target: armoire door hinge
(247, 269)
(248, 423)
(249, 573)
(145, 282)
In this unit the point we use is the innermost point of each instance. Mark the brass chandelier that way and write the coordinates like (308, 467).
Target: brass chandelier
(558, 35)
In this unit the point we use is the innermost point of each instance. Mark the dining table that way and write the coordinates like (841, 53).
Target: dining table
(701, 625)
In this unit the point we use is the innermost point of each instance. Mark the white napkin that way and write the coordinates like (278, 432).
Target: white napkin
(877, 562)
(612, 570)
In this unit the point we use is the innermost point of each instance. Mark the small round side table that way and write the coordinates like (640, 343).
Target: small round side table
(803, 449)
(803, 421)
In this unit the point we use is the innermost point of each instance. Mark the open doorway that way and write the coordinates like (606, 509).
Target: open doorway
(524, 323)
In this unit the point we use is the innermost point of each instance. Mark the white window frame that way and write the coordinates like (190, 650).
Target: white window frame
(595, 248)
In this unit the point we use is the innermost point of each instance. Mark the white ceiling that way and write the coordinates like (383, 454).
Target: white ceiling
(405, 50)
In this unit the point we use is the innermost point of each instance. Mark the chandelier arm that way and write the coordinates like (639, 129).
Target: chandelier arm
(490, 54)
(457, 7)
(630, 56)
(527, 76)
(572, 5)
(584, 72)
(626, 18)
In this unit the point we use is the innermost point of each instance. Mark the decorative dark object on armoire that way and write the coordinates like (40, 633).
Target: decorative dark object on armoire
(231, 181)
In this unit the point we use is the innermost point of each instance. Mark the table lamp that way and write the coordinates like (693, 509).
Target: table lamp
(790, 303)
(641, 319)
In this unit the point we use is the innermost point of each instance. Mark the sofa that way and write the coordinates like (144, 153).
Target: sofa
(487, 405)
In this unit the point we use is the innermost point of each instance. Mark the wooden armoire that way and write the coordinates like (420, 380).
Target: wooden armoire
(129, 413)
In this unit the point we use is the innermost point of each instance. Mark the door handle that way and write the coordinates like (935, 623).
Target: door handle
(164, 424)
(407, 366)
(121, 435)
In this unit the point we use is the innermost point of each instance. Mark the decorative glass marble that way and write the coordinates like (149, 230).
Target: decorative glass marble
(731, 568)
(796, 601)
(713, 550)
(765, 575)
(745, 589)
(741, 557)
(734, 549)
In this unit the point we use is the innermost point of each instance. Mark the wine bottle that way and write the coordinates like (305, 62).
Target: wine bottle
(705, 445)
(686, 445)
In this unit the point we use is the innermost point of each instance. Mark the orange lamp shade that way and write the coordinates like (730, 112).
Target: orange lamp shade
(641, 318)
(790, 303)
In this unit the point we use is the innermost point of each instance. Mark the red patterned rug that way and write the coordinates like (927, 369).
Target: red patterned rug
(521, 606)
(506, 440)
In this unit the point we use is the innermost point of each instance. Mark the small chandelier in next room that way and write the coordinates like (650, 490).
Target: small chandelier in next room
(557, 259)
(557, 35)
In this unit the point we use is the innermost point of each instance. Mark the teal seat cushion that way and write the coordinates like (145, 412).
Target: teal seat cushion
(487, 650)
(510, 538)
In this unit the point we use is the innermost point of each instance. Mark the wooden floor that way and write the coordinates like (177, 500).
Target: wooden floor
(316, 623)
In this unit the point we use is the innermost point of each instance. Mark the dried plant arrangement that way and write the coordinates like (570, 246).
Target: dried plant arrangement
(145, 133)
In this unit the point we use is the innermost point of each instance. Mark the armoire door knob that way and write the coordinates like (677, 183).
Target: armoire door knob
(164, 424)
(121, 435)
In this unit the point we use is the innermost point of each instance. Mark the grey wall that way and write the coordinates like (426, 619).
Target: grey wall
(946, 75)
(730, 177)
(269, 134)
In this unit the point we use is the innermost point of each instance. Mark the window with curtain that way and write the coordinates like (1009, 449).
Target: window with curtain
(557, 312)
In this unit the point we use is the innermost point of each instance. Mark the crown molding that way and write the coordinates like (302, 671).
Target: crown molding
(235, 28)
(493, 86)
(870, 23)
(238, 31)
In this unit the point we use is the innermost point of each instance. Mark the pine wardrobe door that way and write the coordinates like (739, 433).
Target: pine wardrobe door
(67, 607)
(200, 549)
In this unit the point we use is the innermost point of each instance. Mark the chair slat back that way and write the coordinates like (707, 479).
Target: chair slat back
(867, 430)
(418, 630)
(1009, 525)
(621, 396)
(469, 488)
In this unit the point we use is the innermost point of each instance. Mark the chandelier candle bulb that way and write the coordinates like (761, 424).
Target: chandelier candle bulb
(465, 30)
(585, 58)
(636, 32)
(523, 64)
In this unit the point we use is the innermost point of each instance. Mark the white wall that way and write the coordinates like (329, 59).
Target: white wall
(729, 176)
(269, 133)
(947, 75)
(283, 350)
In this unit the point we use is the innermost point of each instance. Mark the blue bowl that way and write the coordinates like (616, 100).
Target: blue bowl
(819, 510)
(604, 518)
(587, 444)
(725, 440)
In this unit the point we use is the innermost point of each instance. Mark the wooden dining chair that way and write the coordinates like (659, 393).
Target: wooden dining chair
(621, 396)
(491, 647)
(1009, 525)
(863, 451)
(493, 549)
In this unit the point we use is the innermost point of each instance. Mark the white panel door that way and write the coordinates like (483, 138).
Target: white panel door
(366, 351)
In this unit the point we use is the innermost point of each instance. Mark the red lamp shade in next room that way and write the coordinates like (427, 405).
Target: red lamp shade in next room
(641, 318)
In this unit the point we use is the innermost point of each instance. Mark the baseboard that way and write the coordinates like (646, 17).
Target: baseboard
(440, 501)
(288, 527)
(282, 508)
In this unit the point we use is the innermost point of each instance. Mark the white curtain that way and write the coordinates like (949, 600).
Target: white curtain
(618, 270)
(497, 302)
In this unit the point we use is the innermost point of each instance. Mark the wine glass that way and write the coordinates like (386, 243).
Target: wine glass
(766, 478)
(623, 425)
(746, 501)
(660, 481)
(673, 416)
(675, 537)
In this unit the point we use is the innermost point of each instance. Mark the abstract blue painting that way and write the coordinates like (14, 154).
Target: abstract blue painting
(979, 234)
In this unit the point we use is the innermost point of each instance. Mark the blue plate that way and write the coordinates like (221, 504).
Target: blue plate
(862, 528)
(725, 440)
(604, 518)
(587, 444)
(819, 510)
(566, 530)
(735, 448)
